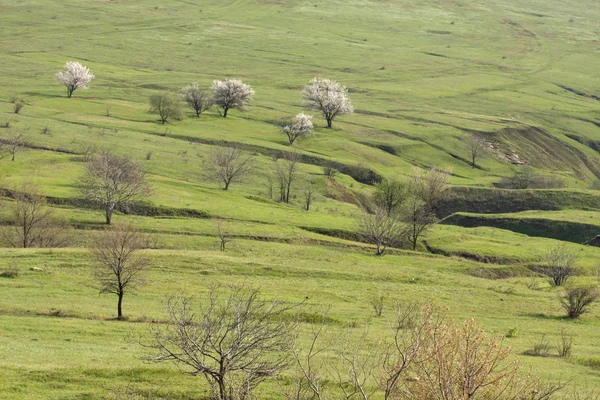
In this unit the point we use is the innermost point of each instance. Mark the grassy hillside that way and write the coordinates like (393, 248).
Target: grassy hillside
(422, 76)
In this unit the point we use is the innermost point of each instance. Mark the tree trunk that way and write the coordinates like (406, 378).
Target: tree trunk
(329, 122)
(473, 163)
(108, 214)
(69, 92)
(120, 306)
(13, 157)
(225, 112)
(226, 185)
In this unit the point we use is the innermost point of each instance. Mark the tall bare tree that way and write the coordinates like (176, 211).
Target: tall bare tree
(381, 229)
(390, 194)
(166, 106)
(196, 98)
(476, 147)
(228, 165)
(120, 268)
(286, 168)
(429, 186)
(114, 182)
(235, 342)
(32, 222)
(309, 193)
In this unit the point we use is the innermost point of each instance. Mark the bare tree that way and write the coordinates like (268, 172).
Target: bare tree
(429, 186)
(308, 193)
(114, 182)
(228, 165)
(381, 229)
(577, 300)
(390, 194)
(32, 222)
(425, 190)
(196, 98)
(74, 76)
(286, 168)
(166, 106)
(327, 96)
(560, 265)
(475, 147)
(235, 342)
(11, 145)
(231, 94)
(224, 237)
(358, 364)
(301, 127)
(418, 218)
(120, 268)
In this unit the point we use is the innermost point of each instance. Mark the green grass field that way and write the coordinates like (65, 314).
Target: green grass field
(422, 76)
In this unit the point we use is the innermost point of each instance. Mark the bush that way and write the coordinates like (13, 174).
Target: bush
(564, 344)
(4, 124)
(330, 172)
(539, 349)
(12, 271)
(18, 107)
(577, 300)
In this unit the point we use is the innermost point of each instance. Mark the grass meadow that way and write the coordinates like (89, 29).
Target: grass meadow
(422, 76)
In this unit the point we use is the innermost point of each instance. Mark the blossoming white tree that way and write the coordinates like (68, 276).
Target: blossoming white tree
(327, 96)
(231, 94)
(74, 76)
(302, 126)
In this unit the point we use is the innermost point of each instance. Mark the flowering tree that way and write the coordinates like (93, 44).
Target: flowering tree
(196, 98)
(327, 96)
(231, 94)
(74, 76)
(302, 126)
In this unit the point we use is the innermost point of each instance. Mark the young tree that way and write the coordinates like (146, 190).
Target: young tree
(309, 194)
(286, 168)
(301, 127)
(425, 193)
(328, 97)
(235, 342)
(11, 145)
(74, 76)
(560, 265)
(224, 237)
(228, 165)
(166, 106)
(114, 182)
(196, 98)
(381, 229)
(231, 94)
(418, 219)
(32, 222)
(390, 194)
(120, 267)
(476, 147)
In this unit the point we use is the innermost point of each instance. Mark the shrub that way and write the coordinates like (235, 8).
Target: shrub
(564, 344)
(540, 349)
(12, 271)
(577, 300)
(330, 172)
(377, 304)
(17, 108)
(4, 124)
